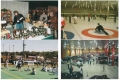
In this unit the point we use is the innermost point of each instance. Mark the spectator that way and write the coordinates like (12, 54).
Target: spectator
(90, 61)
(69, 19)
(89, 17)
(34, 15)
(80, 69)
(93, 60)
(114, 18)
(68, 66)
(84, 16)
(75, 19)
(103, 68)
(105, 17)
(71, 70)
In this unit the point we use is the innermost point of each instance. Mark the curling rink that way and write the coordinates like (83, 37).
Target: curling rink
(84, 30)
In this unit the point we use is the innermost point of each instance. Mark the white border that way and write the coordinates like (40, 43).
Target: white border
(59, 39)
(0, 42)
(59, 42)
(59, 35)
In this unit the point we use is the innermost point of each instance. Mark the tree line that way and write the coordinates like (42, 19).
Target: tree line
(25, 54)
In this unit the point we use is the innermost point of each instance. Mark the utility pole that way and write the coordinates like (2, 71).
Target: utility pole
(13, 48)
(23, 46)
(9, 48)
(3, 47)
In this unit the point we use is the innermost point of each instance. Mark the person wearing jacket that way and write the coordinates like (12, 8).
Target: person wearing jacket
(100, 28)
(89, 18)
(71, 70)
(62, 27)
(49, 20)
(18, 20)
(43, 17)
(34, 16)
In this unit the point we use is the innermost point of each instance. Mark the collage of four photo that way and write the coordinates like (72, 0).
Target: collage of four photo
(78, 36)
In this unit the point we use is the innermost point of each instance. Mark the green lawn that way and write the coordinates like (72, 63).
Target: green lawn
(13, 73)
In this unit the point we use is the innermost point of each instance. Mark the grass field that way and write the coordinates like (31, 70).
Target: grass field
(13, 73)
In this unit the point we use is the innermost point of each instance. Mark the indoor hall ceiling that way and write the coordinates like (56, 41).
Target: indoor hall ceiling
(90, 4)
(92, 44)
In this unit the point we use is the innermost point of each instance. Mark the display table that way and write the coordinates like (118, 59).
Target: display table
(3, 22)
(28, 26)
(40, 38)
(4, 32)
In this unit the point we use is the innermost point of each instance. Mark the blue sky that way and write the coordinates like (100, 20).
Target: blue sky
(31, 45)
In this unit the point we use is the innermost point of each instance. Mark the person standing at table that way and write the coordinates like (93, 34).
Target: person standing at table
(100, 15)
(34, 15)
(18, 20)
(43, 17)
(49, 19)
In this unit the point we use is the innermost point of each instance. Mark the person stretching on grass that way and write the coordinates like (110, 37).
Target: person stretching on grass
(50, 69)
(28, 69)
(45, 69)
(53, 69)
(33, 71)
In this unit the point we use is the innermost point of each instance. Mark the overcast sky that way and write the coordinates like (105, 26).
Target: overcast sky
(31, 45)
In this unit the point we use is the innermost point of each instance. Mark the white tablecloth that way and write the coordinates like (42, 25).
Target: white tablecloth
(36, 38)
(27, 25)
(3, 22)
(4, 32)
